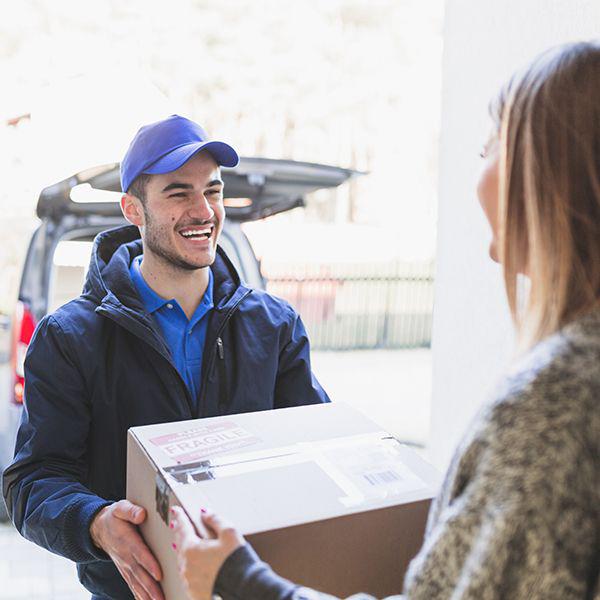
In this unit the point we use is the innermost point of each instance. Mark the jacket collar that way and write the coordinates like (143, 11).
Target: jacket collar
(109, 282)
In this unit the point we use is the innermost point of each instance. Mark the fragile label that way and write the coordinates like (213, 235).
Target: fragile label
(204, 440)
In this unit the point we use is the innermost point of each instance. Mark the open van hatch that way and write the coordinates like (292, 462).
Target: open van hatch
(256, 188)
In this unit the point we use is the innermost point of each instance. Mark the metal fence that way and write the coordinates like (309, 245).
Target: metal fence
(4, 338)
(346, 307)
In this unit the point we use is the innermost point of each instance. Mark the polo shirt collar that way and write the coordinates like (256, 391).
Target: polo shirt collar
(153, 302)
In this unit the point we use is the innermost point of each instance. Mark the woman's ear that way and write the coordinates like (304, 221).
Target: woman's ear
(131, 207)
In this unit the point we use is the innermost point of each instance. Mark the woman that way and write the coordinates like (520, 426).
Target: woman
(519, 513)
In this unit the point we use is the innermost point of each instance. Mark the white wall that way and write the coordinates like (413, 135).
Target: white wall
(485, 41)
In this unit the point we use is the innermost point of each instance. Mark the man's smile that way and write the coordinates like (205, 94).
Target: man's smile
(197, 233)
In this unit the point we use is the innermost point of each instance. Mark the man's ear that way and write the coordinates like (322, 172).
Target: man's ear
(131, 207)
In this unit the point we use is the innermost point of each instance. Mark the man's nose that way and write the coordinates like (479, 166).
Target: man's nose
(201, 208)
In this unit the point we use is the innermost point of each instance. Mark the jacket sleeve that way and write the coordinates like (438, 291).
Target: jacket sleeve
(514, 518)
(44, 486)
(296, 384)
(244, 575)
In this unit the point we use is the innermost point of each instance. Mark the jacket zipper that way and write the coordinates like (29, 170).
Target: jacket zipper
(220, 352)
(222, 376)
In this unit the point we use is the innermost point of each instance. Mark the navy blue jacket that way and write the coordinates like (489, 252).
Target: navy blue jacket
(99, 365)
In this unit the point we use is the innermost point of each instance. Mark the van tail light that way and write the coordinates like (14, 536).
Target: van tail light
(23, 328)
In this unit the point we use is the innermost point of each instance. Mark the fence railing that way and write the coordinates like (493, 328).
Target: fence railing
(347, 307)
(4, 338)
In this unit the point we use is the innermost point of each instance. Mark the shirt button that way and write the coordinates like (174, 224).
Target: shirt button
(169, 305)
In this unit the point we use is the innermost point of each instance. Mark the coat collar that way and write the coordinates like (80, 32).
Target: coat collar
(109, 280)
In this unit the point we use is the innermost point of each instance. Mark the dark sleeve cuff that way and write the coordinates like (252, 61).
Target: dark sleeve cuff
(244, 575)
(78, 519)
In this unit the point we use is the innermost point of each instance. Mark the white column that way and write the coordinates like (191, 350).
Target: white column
(485, 42)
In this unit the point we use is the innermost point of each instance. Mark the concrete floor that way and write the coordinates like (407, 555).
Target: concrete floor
(392, 387)
(27, 571)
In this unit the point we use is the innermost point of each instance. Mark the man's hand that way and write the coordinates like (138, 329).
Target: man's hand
(114, 530)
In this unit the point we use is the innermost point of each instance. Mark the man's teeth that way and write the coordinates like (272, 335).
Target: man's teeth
(196, 232)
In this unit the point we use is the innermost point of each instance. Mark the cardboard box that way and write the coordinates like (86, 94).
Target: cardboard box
(322, 493)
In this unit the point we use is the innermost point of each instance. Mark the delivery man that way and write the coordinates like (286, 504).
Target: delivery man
(164, 330)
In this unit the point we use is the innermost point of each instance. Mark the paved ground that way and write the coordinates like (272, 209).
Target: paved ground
(27, 571)
(392, 387)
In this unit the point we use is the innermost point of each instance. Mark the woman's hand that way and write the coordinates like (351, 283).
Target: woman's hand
(201, 559)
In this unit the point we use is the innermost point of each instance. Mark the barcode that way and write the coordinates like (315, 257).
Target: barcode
(382, 477)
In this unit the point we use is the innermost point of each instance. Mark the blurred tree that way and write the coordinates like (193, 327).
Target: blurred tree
(348, 82)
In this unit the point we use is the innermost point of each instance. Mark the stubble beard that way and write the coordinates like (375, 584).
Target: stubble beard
(154, 241)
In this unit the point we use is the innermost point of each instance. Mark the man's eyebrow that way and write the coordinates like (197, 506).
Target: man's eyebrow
(177, 185)
(189, 186)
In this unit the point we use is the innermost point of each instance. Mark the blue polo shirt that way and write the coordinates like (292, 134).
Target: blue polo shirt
(184, 337)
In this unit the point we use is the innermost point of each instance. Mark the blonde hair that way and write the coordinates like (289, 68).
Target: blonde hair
(549, 198)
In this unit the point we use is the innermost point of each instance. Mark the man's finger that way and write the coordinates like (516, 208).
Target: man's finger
(144, 557)
(183, 529)
(129, 512)
(138, 592)
(147, 584)
(135, 587)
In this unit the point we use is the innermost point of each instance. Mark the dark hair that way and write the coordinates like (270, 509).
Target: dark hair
(138, 186)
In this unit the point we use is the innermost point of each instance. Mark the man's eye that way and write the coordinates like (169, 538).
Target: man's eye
(178, 195)
(213, 192)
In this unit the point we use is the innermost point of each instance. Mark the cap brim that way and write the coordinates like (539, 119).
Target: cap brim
(224, 155)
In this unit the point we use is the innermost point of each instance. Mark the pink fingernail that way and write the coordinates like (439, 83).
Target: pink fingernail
(202, 510)
(172, 511)
(174, 546)
(172, 525)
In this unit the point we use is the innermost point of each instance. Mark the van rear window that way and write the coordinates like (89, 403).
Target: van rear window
(69, 269)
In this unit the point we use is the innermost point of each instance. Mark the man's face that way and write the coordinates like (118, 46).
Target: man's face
(184, 213)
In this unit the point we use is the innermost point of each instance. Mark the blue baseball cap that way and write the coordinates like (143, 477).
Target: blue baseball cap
(166, 145)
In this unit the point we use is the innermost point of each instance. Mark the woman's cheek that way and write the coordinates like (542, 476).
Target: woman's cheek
(487, 191)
